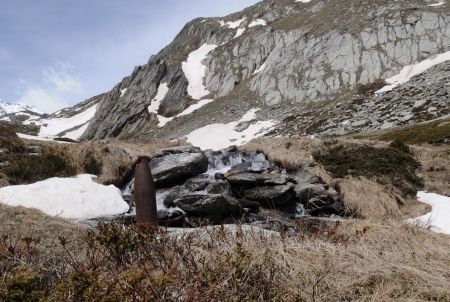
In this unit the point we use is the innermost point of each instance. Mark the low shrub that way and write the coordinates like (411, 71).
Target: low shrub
(389, 164)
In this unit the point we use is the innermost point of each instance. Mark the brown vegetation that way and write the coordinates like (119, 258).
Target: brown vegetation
(349, 261)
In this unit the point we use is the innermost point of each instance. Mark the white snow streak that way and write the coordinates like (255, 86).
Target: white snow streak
(303, 1)
(258, 22)
(437, 4)
(194, 71)
(261, 68)
(122, 91)
(439, 217)
(53, 127)
(412, 70)
(160, 95)
(164, 120)
(37, 138)
(239, 32)
(73, 198)
(219, 136)
(232, 24)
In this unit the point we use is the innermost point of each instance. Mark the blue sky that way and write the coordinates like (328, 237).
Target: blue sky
(55, 53)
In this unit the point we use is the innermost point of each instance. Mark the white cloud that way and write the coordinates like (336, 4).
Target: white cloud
(57, 87)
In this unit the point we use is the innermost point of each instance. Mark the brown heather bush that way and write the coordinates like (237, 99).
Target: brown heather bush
(349, 261)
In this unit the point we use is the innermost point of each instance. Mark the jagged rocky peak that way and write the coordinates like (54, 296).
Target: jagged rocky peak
(273, 53)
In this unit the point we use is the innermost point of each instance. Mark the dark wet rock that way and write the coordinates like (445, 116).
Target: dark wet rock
(171, 218)
(181, 149)
(220, 187)
(306, 191)
(244, 167)
(272, 196)
(307, 178)
(250, 206)
(198, 183)
(175, 169)
(213, 205)
(219, 176)
(255, 180)
(171, 197)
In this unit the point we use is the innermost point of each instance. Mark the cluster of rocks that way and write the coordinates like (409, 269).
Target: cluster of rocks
(425, 97)
(216, 187)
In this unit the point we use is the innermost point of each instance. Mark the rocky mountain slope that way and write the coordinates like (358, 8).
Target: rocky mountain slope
(289, 67)
(282, 57)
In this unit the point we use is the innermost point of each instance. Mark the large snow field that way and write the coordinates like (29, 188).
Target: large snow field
(72, 198)
(439, 217)
(219, 136)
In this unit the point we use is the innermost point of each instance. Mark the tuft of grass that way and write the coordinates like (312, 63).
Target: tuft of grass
(381, 163)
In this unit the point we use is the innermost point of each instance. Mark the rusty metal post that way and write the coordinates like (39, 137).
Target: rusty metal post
(145, 193)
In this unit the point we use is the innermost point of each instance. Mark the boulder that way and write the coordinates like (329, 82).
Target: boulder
(272, 196)
(208, 205)
(175, 169)
(307, 178)
(306, 192)
(171, 218)
(219, 187)
(198, 183)
(254, 180)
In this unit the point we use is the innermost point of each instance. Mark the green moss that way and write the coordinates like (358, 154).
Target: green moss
(381, 163)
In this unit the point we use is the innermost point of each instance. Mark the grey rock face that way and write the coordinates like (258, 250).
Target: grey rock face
(177, 168)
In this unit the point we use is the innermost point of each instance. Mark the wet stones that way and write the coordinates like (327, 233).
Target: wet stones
(175, 169)
(210, 205)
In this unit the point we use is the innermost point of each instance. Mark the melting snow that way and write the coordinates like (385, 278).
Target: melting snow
(258, 22)
(412, 70)
(122, 91)
(239, 32)
(219, 136)
(439, 217)
(164, 120)
(437, 4)
(194, 71)
(233, 24)
(73, 198)
(160, 95)
(303, 1)
(261, 68)
(53, 127)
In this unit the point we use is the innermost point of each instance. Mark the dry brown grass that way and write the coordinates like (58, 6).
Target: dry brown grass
(367, 199)
(435, 170)
(290, 153)
(32, 223)
(113, 158)
(3, 180)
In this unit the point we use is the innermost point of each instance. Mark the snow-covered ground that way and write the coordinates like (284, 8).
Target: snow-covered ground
(232, 24)
(412, 70)
(54, 126)
(439, 217)
(72, 198)
(194, 70)
(219, 136)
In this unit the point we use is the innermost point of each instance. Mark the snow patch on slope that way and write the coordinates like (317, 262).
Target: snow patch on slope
(437, 4)
(9, 108)
(164, 120)
(261, 68)
(72, 198)
(219, 136)
(37, 138)
(194, 70)
(55, 126)
(239, 32)
(232, 24)
(439, 217)
(411, 71)
(303, 1)
(160, 95)
(258, 22)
